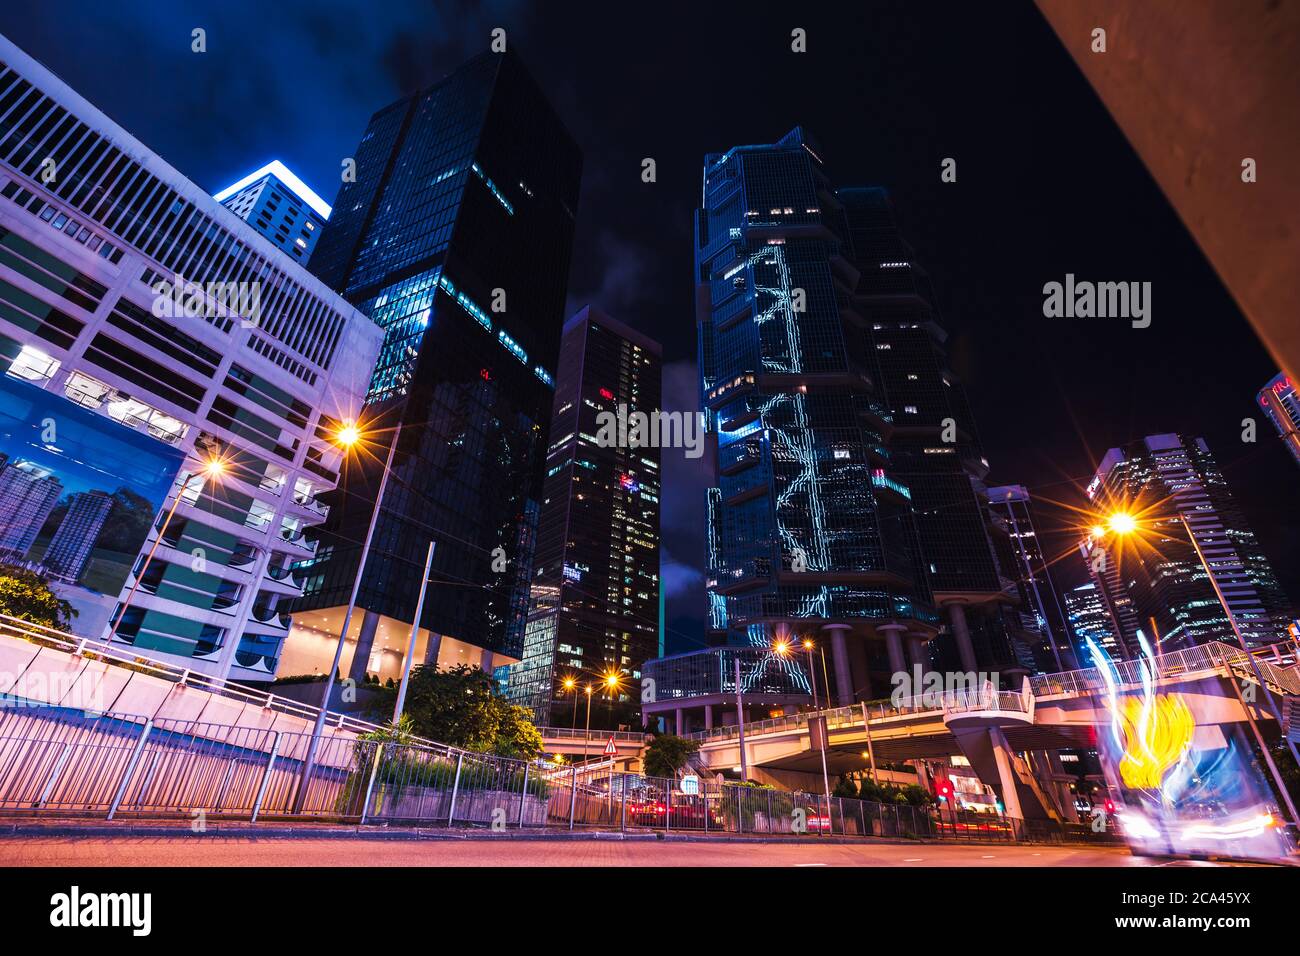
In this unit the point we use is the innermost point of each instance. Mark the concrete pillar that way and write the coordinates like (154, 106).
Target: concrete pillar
(840, 654)
(957, 615)
(894, 644)
(485, 661)
(708, 716)
(681, 722)
(432, 648)
(365, 642)
(1006, 774)
(917, 653)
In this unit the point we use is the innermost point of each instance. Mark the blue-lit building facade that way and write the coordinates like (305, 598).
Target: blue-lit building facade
(455, 237)
(280, 206)
(811, 533)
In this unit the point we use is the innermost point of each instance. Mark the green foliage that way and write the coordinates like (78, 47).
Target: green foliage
(460, 706)
(25, 594)
(911, 795)
(844, 787)
(667, 753)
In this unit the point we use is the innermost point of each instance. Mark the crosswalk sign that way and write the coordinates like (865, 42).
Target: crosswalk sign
(610, 749)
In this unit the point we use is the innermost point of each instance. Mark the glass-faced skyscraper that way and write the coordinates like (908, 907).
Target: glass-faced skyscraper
(935, 446)
(811, 533)
(455, 236)
(1162, 480)
(1281, 402)
(595, 590)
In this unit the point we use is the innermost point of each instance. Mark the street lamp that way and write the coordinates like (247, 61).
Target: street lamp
(569, 684)
(346, 437)
(212, 470)
(1122, 523)
(783, 649)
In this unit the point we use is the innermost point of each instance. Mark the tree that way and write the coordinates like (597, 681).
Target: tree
(844, 787)
(25, 594)
(667, 753)
(460, 706)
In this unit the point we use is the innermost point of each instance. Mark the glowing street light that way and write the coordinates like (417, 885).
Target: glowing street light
(1122, 523)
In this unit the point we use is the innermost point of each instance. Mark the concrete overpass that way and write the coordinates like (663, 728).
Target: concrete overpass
(992, 729)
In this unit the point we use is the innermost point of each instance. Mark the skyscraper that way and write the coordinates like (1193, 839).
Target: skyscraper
(280, 206)
(595, 589)
(934, 446)
(70, 547)
(28, 493)
(1162, 479)
(1090, 621)
(455, 236)
(1281, 402)
(1039, 610)
(811, 532)
(90, 312)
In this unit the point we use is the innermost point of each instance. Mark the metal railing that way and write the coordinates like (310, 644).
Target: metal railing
(124, 656)
(595, 736)
(62, 762)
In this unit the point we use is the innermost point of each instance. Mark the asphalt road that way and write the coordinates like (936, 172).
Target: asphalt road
(316, 852)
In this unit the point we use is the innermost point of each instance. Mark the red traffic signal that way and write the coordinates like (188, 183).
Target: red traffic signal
(944, 790)
(1110, 806)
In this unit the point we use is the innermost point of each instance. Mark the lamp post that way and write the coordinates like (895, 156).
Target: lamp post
(415, 630)
(570, 684)
(214, 470)
(586, 737)
(783, 649)
(347, 437)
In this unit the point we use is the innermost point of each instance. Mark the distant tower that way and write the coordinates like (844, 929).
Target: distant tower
(1163, 479)
(1040, 610)
(280, 206)
(28, 493)
(1282, 403)
(71, 545)
(1089, 620)
(595, 589)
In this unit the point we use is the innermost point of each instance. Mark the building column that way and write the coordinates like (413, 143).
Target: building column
(957, 615)
(681, 722)
(894, 644)
(432, 648)
(365, 642)
(708, 716)
(840, 654)
(485, 661)
(916, 651)
(1006, 774)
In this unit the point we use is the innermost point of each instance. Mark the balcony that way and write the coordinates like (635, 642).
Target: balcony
(311, 503)
(272, 618)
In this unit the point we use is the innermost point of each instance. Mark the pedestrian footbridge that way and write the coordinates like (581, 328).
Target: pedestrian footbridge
(992, 728)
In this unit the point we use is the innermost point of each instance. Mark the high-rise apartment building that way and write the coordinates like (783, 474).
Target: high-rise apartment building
(1281, 402)
(280, 206)
(72, 542)
(1162, 480)
(595, 589)
(811, 531)
(1039, 610)
(127, 290)
(455, 237)
(28, 493)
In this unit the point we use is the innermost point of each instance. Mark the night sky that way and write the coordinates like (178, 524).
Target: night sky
(1046, 185)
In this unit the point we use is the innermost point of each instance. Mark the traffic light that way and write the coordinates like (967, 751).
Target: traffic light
(944, 790)
(1110, 805)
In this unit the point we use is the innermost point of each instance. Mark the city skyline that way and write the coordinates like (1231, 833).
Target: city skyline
(1051, 395)
(649, 433)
